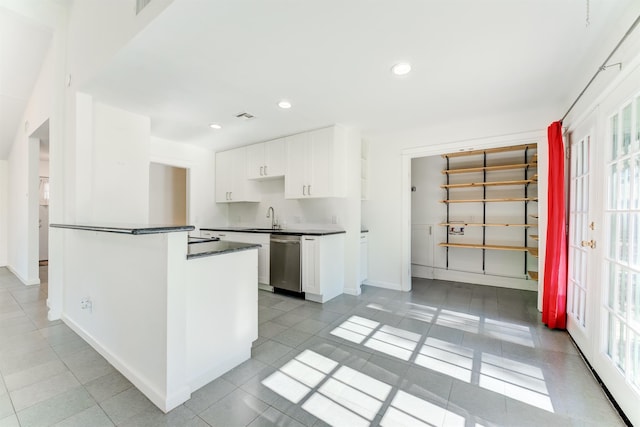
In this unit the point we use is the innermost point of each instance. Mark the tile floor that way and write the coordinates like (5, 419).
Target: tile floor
(444, 354)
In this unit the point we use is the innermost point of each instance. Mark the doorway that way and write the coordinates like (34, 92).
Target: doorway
(168, 194)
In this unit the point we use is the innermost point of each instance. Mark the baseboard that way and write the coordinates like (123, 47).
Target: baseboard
(421, 271)
(385, 285)
(162, 401)
(485, 279)
(24, 281)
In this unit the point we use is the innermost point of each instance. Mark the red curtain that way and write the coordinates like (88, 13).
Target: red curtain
(554, 303)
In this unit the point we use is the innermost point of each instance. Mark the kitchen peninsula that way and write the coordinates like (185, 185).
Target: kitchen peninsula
(169, 315)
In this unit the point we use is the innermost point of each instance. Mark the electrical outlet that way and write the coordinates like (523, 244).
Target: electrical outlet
(86, 304)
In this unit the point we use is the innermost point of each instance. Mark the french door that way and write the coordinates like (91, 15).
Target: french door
(582, 242)
(603, 295)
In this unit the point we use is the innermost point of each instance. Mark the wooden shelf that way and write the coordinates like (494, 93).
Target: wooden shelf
(533, 275)
(534, 236)
(533, 251)
(490, 168)
(506, 199)
(488, 184)
(490, 151)
(534, 158)
(477, 224)
(491, 247)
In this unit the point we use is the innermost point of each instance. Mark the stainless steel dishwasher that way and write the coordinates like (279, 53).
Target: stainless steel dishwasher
(284, 262)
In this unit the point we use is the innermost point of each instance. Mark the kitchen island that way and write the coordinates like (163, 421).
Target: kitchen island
(169, 315)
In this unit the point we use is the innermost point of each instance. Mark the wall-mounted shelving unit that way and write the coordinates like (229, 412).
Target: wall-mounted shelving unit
(528, 164)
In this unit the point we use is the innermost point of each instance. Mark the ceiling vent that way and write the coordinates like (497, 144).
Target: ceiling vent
(141, 4)
(245, 115)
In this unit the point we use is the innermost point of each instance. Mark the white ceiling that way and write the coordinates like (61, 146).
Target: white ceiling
(204, 61)
(23, 45)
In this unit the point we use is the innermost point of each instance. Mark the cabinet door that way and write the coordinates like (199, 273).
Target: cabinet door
(274, 158)
(310, 276)
(224, 165)
(255, 161)
(242, 189)
(295, 182)
(321, 163)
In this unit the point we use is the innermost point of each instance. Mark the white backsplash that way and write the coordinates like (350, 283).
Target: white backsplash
(303, 214)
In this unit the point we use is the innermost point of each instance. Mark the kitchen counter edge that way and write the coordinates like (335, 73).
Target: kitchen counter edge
(127, 229)
(288, 232)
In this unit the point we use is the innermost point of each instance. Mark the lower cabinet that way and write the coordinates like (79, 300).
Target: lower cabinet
(322, 259)
(255, 238)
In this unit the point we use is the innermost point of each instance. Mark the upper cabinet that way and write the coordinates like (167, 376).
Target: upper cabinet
(316, 164)
(232, 184)
(266, 160)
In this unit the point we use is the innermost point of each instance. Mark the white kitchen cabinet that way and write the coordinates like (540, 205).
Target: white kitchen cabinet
(364, 256)
(322, 259)
(254, 238)
(316, 164)
(232, 184)
(266, 160)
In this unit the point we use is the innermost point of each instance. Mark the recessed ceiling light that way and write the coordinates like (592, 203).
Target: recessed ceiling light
(401, 68)
(284, 104)
(215, 126)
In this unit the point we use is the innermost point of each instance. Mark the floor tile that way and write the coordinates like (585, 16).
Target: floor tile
(43, 390)
(35, 374)
(93, 416)
(236, 409)
(19, 361)
(56, 409)
(272, 418)
(243, 372)
(107, 386)
(6, 407)
(125, 405)
(310, 326)
(270, 351)
(270, 329)
(10, 421)
(206, 396)
(291, 337)
(154, 417)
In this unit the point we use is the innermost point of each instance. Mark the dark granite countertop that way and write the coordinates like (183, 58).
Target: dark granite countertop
(127, 228)
(288, 231)
(211, 247)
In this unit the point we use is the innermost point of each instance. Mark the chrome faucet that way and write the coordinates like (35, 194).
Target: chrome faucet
(272, 214)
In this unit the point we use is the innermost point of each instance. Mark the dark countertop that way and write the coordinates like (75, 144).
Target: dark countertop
(199, 249)
(289, 231)
(127, 228)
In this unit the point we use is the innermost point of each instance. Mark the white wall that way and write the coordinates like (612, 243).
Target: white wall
(120, 166)
(201, 208)
(22, 243)
(4, 210)
(389, 174)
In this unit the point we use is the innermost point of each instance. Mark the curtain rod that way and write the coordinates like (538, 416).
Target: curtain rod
(603, 66)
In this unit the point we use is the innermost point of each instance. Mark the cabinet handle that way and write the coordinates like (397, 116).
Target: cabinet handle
(303, 190)
(222, 235)
(230, 195)
(265, 170)
(306, 238)
(261, 168)
(309, 190)
(226, 195)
